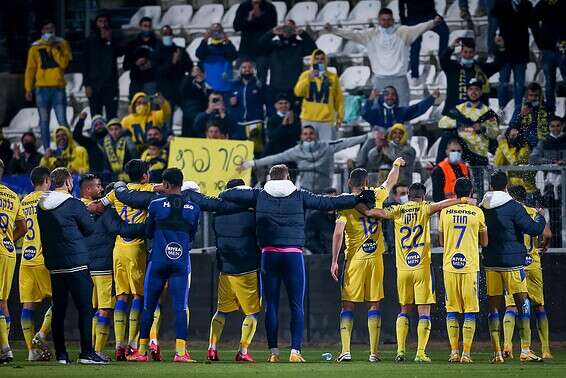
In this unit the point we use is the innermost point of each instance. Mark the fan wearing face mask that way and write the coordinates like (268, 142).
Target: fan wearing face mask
(138, 59)
(142, 117)
(445, 174)
(532, 117)
(513, 149)
(23, 162)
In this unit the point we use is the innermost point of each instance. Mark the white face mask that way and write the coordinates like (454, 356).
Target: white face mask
(466, 62)
(454, 157)
(46, 36)
(281, 114)
(389, 30)
(309, 144)
(404, 199)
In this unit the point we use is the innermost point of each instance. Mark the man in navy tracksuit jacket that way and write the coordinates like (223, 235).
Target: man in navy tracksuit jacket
(280, 228)
(507, 221)
(247, 99)
(172, 223)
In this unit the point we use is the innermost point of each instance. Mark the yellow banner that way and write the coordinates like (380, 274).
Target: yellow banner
(211, 163)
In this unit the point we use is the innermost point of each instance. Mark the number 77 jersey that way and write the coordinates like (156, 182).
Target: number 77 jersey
(412, 234)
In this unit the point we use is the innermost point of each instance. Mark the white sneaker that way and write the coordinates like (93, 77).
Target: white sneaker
(344, 357)
(374, 357)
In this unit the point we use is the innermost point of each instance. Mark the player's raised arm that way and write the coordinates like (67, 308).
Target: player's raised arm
(393, 175)
(337, 238)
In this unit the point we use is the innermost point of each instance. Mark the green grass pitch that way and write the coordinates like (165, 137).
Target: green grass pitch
(313, 368)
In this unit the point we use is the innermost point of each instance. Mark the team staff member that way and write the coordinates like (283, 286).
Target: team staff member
(100, 245)
(503, 258)
(237, 258)
(461, 229)
(362, 280)
(445, 174)
(533, 271)
(65, 223)
(12, 228)
(35, 283)
(415, 283)
(172, 224)
(280, 229)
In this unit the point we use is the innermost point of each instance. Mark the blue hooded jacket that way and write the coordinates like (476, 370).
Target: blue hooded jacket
(217, 60)
(507, 221)
(378, 114)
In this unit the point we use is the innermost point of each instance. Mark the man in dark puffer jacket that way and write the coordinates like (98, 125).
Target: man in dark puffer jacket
(101, 244)
(507, 221)
(64, 224)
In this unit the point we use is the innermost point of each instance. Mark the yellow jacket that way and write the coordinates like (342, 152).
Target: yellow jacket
(46, 64)
(137, 124)
(507, 155)
(74, 157)
(323, 100)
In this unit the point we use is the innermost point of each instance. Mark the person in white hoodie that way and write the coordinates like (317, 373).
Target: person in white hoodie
(388, 48)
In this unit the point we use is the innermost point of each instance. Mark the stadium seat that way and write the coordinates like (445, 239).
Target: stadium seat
(24, 120)
(436, 113)
(422, 118)
(303, 13)
(281, 8)
(460, 34)
(531, 72)
(440, 6)
(151, 11)
(180, 42)
(430, 43)
(494, 104)
(74, 85)
(354, 77)
(229, 16)
(235, 39)
(177, 16)
(453, 12)
(560, 106)
(508, 109)
(394, 6)
(354, 50)
(192, 48)
(333, 12)
(206, 15)
(329, 43)
(364, 12)
(420, 144)
(341, 157)
(432, 152)
(177, 121)
(124, 85)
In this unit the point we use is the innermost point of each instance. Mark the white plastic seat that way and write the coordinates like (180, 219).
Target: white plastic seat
(332, 12)
(420, 144)
(74, 84)
(192, 48)
(177, 121)
(440, 6)
(394, 6)
(560, 106)
(207, 15)
(494, 104)
(433, 151)
(436, 113)
(281, 8)
(177, 16)
(229, 16)
(460, 34)
(24, 120)
(530, 72)
(303, 13)
(180, 42)
(453, 12)
(353, 49)
(124, 85)
(354, 77)
(151, 11)
(329, 43)
(425, 117)
(430, 43)
(235, 39)
(508, 109)
(341, 157)
(364, 12)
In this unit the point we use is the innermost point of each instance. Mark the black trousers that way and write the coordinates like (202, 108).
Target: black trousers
(79, 285)
(104, 97)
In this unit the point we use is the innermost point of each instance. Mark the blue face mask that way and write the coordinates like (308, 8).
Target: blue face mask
(46, 36)
(466, 62)
(389, 30)
(167, 40)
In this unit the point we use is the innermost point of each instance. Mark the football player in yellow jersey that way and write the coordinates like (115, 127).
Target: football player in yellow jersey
(35, 282)
(461, 229)
(533, 270)
(12, 228)
(362, 278)
(415, 282)
(129, 263)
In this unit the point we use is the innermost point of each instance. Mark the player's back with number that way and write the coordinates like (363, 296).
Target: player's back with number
(10, 211)
(32, 252)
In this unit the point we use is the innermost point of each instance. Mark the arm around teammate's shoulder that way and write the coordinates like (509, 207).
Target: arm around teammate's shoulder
(525, 223)
(246, 197)
(135, 198)
(325, 202)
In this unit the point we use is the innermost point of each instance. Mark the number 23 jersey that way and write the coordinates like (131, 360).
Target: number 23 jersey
(412, 234)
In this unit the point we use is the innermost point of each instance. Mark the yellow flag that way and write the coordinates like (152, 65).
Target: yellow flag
(211, 163)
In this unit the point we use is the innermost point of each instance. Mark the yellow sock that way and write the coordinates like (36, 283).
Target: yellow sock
(423, 333)
(249, 326)
(542, 328)
(102, 332)
(525, 331)
(8, 324)
(216, 327)
(402, 329)
(346, 325)
(374, 329)
(188, 317)
(134, 322)
(508, 329)
(154, 332)
(493, 321)
(468, 331)
(453, 328)
(143, 346)
(120, 322)
(3, 332)
(46, 325)
(180, 347)
(28, 326)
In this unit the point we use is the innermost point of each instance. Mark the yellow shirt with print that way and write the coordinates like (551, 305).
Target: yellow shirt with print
(129, 214)
(10, 211)
(412, 234)
(363, 236)
(532, 261)
(460, 226)
(32, 252)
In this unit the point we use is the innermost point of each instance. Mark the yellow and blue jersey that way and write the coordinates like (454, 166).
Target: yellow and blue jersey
(532, 261)
(460, 226)
(129, 214)
(10, 211)
(32, 252)
(363, 235)
(412, 234)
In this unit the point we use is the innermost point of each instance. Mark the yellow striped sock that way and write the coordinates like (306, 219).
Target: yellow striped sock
(28, 326)
(216, 328)
(525, 331)
(453, 329)
(423, 333)
(102, 332)
(180, 347)
(508, 329)
(143, 346)
(3, 332)
(134, 322)
(402, 330)
(468, 331)
(493, 322)
(46, 325)
(249, 326)
(542, 328)
(346, 325)
(154, 332)
(120, 322)
(374, 329)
